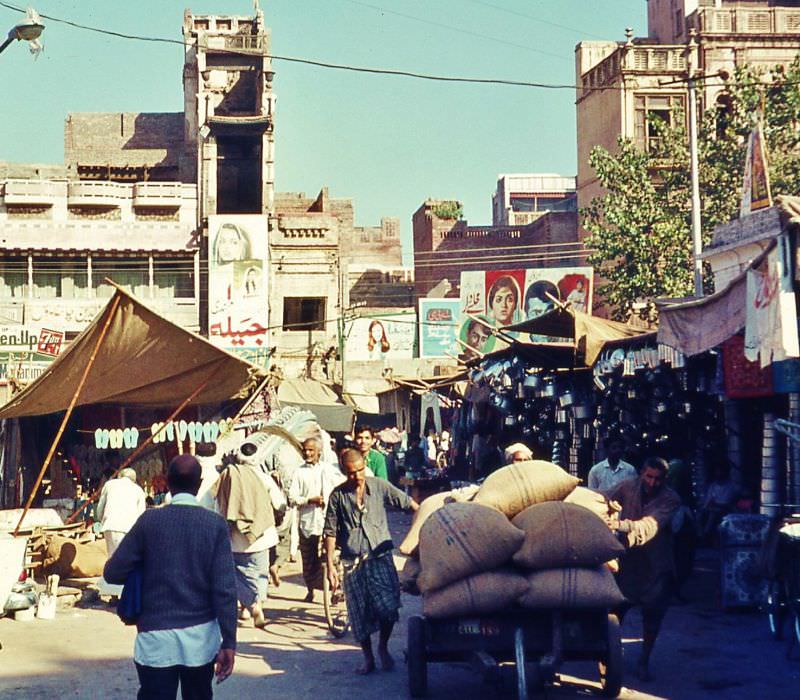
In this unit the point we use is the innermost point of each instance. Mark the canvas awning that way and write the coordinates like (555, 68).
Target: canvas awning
(144, 360)
(589, 333)
(332, 414)
(698, 325)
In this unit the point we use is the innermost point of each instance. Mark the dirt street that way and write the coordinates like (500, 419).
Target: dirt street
(703, 654)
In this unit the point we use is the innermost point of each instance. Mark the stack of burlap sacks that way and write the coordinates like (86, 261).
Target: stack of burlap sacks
(529, 537)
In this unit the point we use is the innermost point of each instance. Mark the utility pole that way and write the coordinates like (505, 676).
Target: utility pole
(694, 167)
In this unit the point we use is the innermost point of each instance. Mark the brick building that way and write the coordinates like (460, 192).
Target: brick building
(444, 247)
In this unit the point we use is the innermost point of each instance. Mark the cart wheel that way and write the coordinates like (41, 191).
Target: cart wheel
(415, 657)
(334, 606)
(519, 657)
(611, 665)
(776, 610)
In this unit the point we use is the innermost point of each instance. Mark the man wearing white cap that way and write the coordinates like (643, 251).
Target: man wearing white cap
(517, 453)
(121, 503)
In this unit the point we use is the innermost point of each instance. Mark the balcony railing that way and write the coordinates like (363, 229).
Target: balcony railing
(655, 60)
(97, 194)
(748, 20)
(157, 194)
(34, 191)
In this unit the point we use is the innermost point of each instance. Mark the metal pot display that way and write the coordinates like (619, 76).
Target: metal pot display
(582, 411)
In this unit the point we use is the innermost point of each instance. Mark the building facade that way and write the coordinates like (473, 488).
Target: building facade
(521, 199)
(181, 209)
(621, 84)
(445, 247)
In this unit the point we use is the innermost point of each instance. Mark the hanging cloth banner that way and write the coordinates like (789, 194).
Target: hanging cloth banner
(755, 189)
(771, 325)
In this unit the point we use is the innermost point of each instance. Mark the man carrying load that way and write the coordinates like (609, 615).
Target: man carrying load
(647, 571)
(356, 523)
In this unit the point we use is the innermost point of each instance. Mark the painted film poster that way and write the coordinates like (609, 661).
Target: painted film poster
(238, 292)
(497, 298)
(438, 327)
(381, 338)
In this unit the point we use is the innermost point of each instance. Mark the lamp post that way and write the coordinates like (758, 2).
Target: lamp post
(694, 168)
(30, 29)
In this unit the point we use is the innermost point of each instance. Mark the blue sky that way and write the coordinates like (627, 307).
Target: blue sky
(387, 142)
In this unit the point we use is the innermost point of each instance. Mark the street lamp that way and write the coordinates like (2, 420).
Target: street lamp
(30, 29)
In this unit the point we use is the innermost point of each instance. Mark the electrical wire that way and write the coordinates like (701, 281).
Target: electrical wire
(358, 69)
(451, 28)
(538, 20)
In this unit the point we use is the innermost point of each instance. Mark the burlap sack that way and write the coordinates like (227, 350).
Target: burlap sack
(462, 539)
(564, 534)
(71, 559)
(513, 488)
(431, 504)
(408, 576)
(488, 592)
(409, 545)
(595, 502)
(572, 588)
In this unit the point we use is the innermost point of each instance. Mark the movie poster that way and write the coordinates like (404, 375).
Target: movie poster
(496, 299)
(381, 338)
(238, 276)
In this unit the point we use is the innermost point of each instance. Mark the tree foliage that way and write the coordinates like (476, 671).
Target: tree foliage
(640, 228)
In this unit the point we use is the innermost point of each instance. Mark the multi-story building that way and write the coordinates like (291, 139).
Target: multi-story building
(522, 198)
(620, 84)
(181, 209)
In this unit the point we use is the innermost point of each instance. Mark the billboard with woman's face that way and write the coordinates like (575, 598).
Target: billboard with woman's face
(237, 279)
(381, 338)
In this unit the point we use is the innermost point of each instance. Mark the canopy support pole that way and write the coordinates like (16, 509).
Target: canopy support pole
(68, 412)
(141, 447)
(252, 398)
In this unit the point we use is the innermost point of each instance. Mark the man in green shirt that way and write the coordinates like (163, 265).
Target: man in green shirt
(365, 439)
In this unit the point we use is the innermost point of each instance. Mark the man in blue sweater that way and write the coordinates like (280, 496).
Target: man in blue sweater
(187, 625)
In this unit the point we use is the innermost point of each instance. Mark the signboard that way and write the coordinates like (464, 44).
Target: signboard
(438, 327)
(381, 338)
(755, 188)
(23, 366)
(71, 316)
(505, 297)
(238, 282)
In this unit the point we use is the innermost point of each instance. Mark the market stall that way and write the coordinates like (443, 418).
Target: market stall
(133, 387)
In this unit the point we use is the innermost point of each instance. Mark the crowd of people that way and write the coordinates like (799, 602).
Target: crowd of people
(227, 526)
(196, 582)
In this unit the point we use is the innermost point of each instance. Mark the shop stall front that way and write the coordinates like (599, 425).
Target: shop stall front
(131, 387)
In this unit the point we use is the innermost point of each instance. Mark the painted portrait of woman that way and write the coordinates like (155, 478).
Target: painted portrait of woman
(377, 341)
(502, 301)
(231, 244)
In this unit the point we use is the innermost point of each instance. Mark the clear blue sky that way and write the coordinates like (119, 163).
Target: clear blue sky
(386, 142)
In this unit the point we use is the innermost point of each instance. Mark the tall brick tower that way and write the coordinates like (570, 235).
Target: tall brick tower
(229, 112)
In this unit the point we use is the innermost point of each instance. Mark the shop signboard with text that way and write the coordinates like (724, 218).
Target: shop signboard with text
(438, 327)
(238, 284)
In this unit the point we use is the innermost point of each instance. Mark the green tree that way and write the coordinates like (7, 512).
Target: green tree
(640, 229)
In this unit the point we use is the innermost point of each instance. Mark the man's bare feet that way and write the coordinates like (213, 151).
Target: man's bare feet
(387, 662)
(366, 669)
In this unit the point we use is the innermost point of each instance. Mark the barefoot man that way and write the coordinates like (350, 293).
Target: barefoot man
(356, 523)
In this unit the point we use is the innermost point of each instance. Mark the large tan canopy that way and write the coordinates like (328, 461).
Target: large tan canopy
(144, 360)
(586, 332)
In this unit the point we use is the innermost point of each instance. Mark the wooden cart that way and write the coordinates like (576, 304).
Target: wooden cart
(545, 638)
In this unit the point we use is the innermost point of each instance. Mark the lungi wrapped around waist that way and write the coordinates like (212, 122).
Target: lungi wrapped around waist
(372, 593)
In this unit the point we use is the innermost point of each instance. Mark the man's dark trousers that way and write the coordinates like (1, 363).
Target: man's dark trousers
(162, 683)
